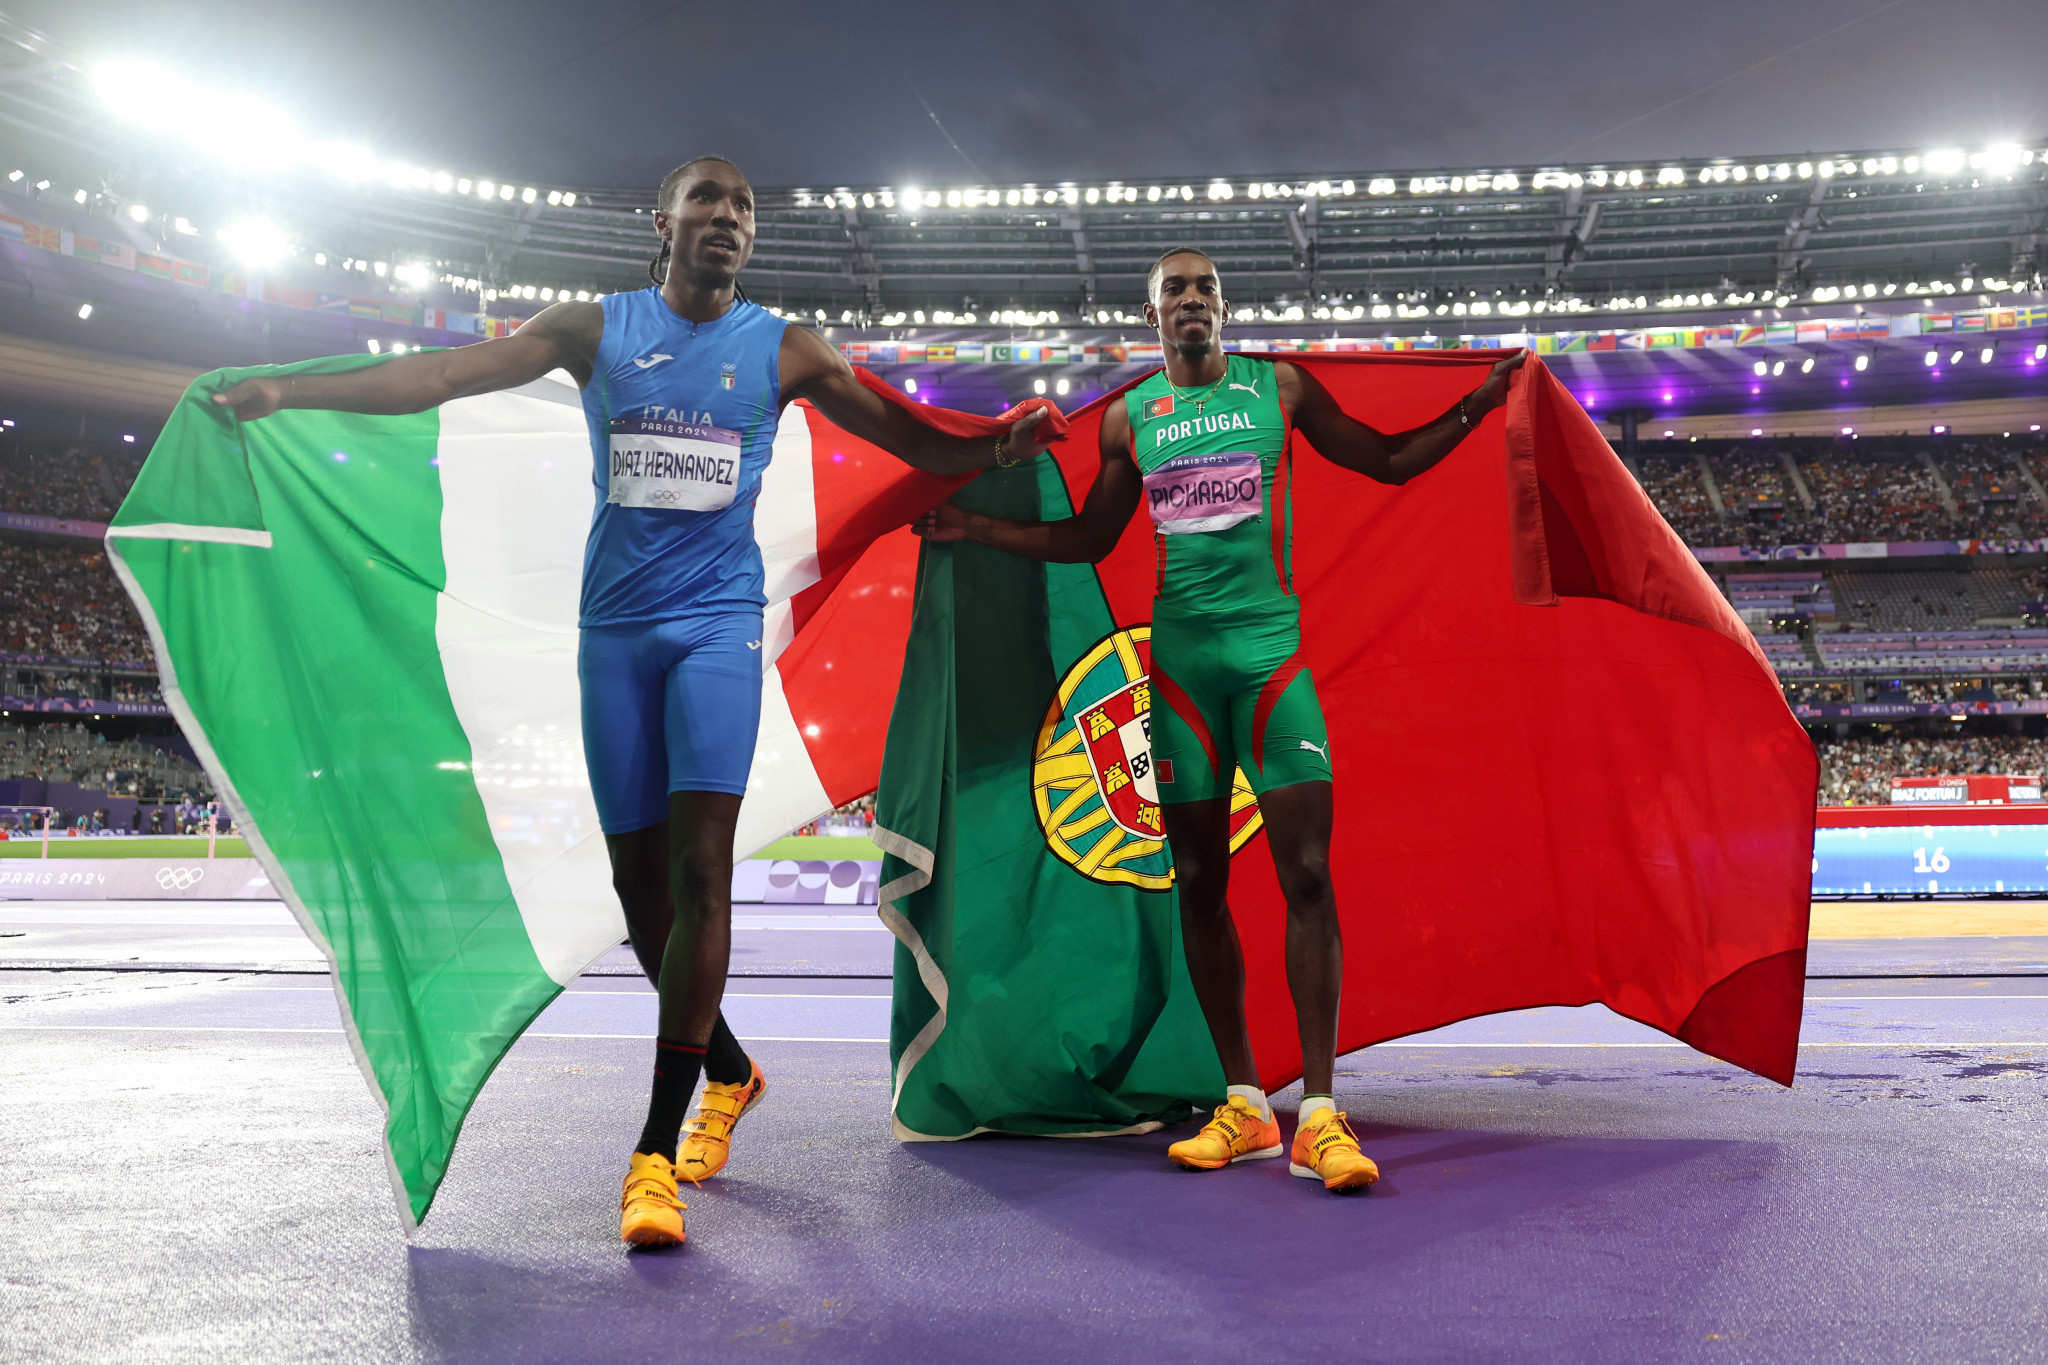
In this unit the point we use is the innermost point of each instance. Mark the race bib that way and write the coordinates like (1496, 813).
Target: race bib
(673, 466)
(1192, 493)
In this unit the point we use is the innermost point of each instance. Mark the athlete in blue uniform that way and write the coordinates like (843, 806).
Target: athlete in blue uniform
(683, 385)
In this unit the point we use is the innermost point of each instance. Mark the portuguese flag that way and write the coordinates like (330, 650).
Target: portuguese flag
(1565, 774)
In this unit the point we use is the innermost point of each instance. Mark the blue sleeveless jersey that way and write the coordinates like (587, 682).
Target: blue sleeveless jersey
(682, 422)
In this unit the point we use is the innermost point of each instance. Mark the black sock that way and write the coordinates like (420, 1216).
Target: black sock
(725, 1061)
(675, 1081)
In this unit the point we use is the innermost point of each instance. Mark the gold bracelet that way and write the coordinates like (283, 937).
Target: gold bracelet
(1002, 463)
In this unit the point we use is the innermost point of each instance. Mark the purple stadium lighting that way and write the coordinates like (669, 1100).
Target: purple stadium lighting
(128, 439)
(1756, 431)
(1756, 388)
(1667, 398)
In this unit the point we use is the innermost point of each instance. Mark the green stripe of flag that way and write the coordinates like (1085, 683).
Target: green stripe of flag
(310, 674)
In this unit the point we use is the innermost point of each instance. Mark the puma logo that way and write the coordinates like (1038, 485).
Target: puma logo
(1251, 388)
(1323, 752)
(650, 362)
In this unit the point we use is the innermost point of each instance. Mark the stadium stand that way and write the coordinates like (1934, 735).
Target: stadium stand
(1860, 771)
(61, 603)
(1863, 490)
(72, 753)
(69, 479)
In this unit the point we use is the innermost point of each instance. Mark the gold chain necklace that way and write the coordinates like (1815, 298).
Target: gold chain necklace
(1203, 401)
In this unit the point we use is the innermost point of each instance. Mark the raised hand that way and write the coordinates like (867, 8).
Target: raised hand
(1494, 391)
(1023, 442)
(253, 398)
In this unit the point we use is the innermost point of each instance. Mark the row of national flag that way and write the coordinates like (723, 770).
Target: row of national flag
(120, 255)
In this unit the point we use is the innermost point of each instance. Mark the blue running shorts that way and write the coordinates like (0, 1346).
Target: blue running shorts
(668, 706)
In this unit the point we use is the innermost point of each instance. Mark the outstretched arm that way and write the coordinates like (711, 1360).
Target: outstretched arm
(812, 369)
(1084, 538)
(1344, 440)
(564, 336)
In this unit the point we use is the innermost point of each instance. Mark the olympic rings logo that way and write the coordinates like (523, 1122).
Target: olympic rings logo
(179, 878)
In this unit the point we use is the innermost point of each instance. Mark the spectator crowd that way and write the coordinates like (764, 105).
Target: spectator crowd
(1864, 490)
(1860, 771)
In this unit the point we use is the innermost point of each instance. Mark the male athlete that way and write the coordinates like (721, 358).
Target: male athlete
(677, 380)
(1201, 444)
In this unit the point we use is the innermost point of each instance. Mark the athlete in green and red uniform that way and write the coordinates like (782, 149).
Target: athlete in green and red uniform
(1203, 445)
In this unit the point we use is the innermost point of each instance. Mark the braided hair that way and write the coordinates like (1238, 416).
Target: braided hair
(657, 269)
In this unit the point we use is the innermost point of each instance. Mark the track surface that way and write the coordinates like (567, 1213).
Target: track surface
(192, 1171)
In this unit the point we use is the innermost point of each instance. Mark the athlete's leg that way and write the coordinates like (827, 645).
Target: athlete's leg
(699, 947)
(1298, 833)
(640, 876)
(1287, 754)
(1199, 834)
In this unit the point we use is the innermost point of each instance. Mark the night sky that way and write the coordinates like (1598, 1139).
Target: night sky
(809, 92)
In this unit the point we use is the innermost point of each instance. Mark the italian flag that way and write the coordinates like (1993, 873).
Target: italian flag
(367, 628)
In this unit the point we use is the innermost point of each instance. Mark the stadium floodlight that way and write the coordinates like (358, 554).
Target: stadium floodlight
(1984, 356)
(1777, 368)
(1930, 358)
(1806, 365)
(376, 346)
(138, 213)
(528, 195)
(79, 196)
(505, 192)
(910, 386)
(14, 177)
(1848, 431)
(1947, 161)
(2002, 159)
(184, 226)
(253, 130)
(1060, 387)
(486, 190)
(84, 311)
(1956, 358)
(2041, 351)
(1756, 431)
(1862, 362)
(1760, 367)
(255, 241)
(443, 182)
(1038, 386)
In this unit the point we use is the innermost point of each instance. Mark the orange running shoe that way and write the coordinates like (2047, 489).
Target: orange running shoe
(707, 1137)
(650, 1215)
(1325, 1150)
(1236, 1133)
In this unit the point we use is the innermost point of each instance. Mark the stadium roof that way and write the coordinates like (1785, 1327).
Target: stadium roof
(1380, 245)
